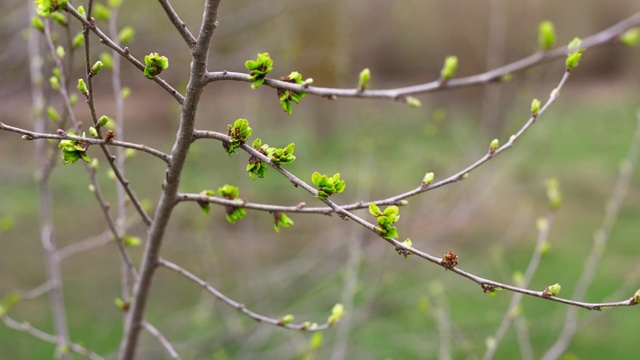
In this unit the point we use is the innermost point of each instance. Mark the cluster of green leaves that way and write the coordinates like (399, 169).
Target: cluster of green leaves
(327, 185)
(230, 192)
(280, 219)
(386, 220)
(288, 96)
(154, 64)
(47, 7)
(72, 150)
(259, 69)
(278, 156)
(239, 133)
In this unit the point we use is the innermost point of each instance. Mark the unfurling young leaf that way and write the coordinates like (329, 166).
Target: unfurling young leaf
(73, 150)
(259, 69)
(239, 133)
(327, 185)
(280, 219)
(154, 64)
(546, 35)
(449, 68)
(234, 213)
(36, 23)
(574, 54)
(552, 290)
(363, 81)
(288, 96)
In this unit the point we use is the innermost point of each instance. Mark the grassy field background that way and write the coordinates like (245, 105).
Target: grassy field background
(381, 149)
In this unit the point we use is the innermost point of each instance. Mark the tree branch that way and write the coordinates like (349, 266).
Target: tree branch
(241, 307)
(605, 36)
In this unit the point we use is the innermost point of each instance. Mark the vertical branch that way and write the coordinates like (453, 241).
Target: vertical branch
(168, 198)
(120, 152)
(44, 170)
(600, 241)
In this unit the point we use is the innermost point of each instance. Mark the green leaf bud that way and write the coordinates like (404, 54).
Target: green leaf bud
(636, 297)
(553, 193)
(82, 87)
(494, 145)
(60, 52)
(101, 12)
(52, 113)
(428, 179)
(73, 99)
(449, 67)
(552, 290)
(78, 40)
(630, 37)
(546, 35)
(107, 60)
(126, 34)
(54, 82)
(337, 312)
(365, 77)
(535, 107)
(94, 164)
(574, 54)
(97, 67)
(287, 319)
(36, 23)
(131, 241)
(81, 11)
(412, 102)
(59, 19)
(93, 132)
(114, 4)
(125, 92)
(103, 121)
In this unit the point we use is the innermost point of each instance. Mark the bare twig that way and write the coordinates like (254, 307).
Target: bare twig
(178, 23)
(600, 241)
(239, 306)
(163, 340)
(27, 328)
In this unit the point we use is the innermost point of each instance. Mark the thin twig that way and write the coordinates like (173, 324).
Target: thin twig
(62, 135)
(163, 340)
(178, 23)
(239, 306)
(29, 329)
(605, 36)
(104, 39)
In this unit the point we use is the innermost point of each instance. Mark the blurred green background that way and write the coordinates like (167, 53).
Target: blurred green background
(381, 148)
